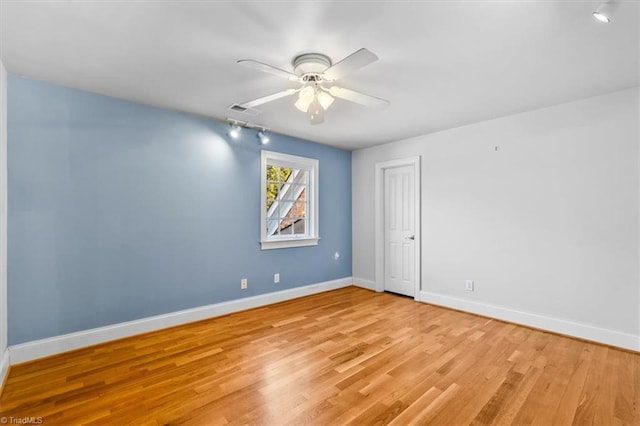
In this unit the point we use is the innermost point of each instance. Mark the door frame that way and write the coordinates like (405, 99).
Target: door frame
(379, 220)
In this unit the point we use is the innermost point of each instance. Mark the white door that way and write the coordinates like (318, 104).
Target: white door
(399, 230)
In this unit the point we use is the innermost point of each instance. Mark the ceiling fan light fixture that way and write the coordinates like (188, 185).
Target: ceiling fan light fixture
(325, 99)
(316, 112)
(305, 97)
(307, 93)
(302, 105)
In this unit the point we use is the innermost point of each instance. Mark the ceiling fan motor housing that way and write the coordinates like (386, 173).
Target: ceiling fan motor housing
(311, 63)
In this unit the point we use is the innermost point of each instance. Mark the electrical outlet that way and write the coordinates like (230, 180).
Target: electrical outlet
(276, 278)
(243, 283)
(468, 285)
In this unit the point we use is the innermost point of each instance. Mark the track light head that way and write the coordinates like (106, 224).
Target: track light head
(606, 10)
(234, 132)
(264, 139)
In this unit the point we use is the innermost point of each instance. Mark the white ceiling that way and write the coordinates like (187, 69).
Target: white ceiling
(442, 64)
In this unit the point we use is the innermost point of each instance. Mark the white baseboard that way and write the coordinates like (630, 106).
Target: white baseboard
(4, 368)
(557, 325)
(54, 345)
(361, 282)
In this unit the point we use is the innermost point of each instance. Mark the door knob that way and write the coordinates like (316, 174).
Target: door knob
(413, 237)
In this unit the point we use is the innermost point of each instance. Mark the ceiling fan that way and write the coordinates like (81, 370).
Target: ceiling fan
(316, 73)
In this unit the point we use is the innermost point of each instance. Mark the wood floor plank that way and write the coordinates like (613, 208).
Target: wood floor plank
(348, 356)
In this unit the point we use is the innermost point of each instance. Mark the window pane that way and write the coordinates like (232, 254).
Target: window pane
(285, 209)
(300, 210)
(285, 193)
(294, 192)
(272, 172)
(285, 172)
(286, 228)
(302, 177)
(270, 200)
(277, 173)
(273, 189)
(300, 227)
(272, 227)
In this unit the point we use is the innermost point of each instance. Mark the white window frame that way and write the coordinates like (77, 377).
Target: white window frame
(302, 163)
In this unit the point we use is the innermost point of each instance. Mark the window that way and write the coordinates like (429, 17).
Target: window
(289, 207)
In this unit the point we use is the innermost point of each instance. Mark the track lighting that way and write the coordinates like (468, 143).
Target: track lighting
(606, 11)
(234, 132)
(264, 139)
(236, 127)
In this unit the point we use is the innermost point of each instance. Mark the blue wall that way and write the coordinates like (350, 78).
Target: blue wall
(120, 211)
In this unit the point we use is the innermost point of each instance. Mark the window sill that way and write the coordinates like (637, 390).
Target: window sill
(297, 242)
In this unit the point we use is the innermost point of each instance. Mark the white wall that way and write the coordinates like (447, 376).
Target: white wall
(546, 225)
(4, 354)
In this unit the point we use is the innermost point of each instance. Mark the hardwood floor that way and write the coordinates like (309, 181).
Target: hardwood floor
(346, 356)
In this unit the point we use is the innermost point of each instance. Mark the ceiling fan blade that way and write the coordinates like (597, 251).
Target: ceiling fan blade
(358, 98)
(250, 63)
(268, 98)
(356, 60)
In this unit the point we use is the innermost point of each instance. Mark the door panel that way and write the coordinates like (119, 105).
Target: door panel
(399, 228)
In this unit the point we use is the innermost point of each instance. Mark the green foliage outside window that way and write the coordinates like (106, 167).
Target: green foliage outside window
(276, 176)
